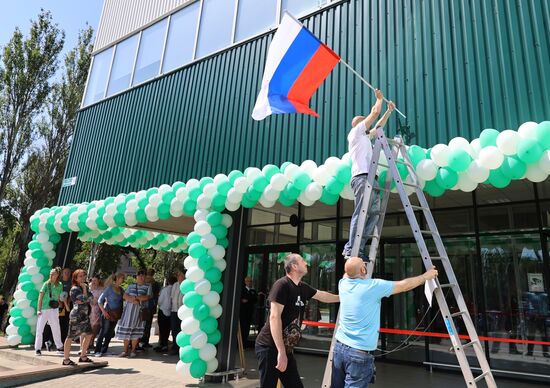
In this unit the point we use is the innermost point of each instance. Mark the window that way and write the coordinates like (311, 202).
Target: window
(181, 37)
(216, 26)
(98, 77)
(121, 70)
(254, 17)
(150, 52)
(301, 7)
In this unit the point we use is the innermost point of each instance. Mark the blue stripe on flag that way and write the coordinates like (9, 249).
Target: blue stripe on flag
(291, 66)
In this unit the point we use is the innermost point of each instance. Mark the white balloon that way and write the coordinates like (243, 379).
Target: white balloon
(304, 200)
(209, 190)
(211, 299)
(195, 274)
(110, 210)
(33, 270)
(176, 207)
(426, 169)
(217, 252)
(544, 162)
(234, 196)
(204, 202)
(459, 143)
(507, 142)
(208, 240)
(231, 206)
(347, 193)
(227, 220)
(198, 339)
(182, 193)
(309, 166)
(150, 212)
(331, 165)
(189, 325)
(14, 340)
(278, 181)
(200, 215)
(184, 312)
(192, 183)
(131, 205)
(241, 184)
(528, 130)
(534, 173)
(321, 175)
(490, 157)
(182, 368)
(42, 237)
(130, 218)
(29, 261)
(37, 279)
(465, 183)
(190, 262)
(23, 303)
(476, 172)
(28, 312)
(476, 146)
(440, 155)
(252, 173)
(11, 330)
(202, 228)
(32, 321)
(219, 178)
(139, 196)
(20, 294)
(207, 352)
(216, 311)
(211, 365)
(267, 203)
(220, 264)
(203, 287)
(290, 170)
(313, 191)
(270, 194)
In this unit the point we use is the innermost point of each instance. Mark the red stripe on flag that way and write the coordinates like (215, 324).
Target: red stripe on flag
(314, 73)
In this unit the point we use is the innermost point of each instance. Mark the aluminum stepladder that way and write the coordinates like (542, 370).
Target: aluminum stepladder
(397, 149)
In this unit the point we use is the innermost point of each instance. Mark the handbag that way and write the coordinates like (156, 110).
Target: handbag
(54, 304)
(144, 312)
(291, 335)
(115, 314)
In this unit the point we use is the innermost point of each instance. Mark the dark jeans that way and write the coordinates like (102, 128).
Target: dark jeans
(164, 328)
(351, 368)
(176, 328)
(106, 332)
(64, 326)
(267, 360)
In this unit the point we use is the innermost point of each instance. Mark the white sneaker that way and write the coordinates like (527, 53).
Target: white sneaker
(98, 355)
(132, 355)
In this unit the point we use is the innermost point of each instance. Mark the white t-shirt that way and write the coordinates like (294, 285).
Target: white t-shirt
(165, 300)
(360, 149)
(176, 297)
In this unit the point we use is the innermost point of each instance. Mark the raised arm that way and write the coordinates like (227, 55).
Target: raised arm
(382, 122)
(326, 297)
(410, 283)
(375, 110)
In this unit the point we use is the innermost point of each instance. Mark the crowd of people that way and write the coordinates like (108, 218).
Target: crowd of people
(91, 311)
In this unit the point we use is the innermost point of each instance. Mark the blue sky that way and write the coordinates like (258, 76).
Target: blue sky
(70, 15)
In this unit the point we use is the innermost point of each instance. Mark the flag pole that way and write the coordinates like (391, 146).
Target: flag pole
(367, 83)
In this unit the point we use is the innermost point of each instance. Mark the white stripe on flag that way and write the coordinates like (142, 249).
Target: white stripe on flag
(285, 35)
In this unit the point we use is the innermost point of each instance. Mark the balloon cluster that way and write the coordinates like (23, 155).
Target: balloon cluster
(495, 158)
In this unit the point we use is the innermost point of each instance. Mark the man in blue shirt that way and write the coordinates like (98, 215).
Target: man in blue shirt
(357, 334)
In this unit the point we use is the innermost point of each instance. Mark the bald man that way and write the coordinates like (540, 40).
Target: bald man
(360, 149)
(357, 334)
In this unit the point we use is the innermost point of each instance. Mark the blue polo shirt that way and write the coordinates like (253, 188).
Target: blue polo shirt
(360, 301)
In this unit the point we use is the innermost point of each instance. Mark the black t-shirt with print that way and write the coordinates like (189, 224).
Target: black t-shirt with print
(293, 297)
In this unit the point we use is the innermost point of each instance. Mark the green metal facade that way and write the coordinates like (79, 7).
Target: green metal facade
(453, 67)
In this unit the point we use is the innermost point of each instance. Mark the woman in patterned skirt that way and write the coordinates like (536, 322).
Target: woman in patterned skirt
(79, 319)
(130, 327)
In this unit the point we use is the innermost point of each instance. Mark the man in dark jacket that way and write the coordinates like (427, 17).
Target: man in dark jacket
(249, 297)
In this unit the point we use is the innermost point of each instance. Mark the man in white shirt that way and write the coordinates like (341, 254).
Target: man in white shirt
(360, 149)
(177, 300)
(164, 315)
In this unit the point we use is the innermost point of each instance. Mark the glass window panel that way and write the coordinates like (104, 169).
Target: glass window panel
(454, 221)
(97, 82)
(261, 216)
(543, 188)
(451, 198)
(216, 26)
(181, 37)
(301, 7)
(347, 207)
(319, 231)
(521, 190)
(254, 17)
(121, 71)
(149, 53)
(286, 234)
(261, 235)
(545, 213)
(319, 210)
(516, 217)
(275, 214)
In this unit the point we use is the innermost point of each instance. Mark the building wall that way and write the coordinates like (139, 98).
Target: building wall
(453, 67)
(120, 18)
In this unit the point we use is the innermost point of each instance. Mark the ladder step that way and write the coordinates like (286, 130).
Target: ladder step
(403, 162)
(470, 344)
(411, 185)
(447, 285)
(418, 207)
(481, 376)
(380, 189)
(439, 258)
(428, 232)
(458, 313)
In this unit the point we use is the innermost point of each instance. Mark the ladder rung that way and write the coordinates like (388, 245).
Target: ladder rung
(391, 141)
(411, 185)
(427, 232)
(458, 313)
(439, 258)
(403, 162)
(383, 165)
(472, 343)
(418, 207)
(381, 189)
(481, 376)
(447, 285)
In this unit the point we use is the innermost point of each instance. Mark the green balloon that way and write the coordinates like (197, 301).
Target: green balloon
(177, 185)
(328, 198)
(142, 203)
(27, 339)
(119, 219)
(224, 242)
(459, 160)
(201, 311)
(224, 187)
(382, 179)
(34, 303)
(205, 262)
(214, 337)
(214, 218)
(260, 183)
(213, 275)
(217, 287)
(35, 245)
(416, 154)
(301, 180)
(498, 179)
(164, 211)
(23, 330)
(248, 203)
(189, 354)
(218, 202)
(529, 151)
(403, 171)
(542, 133)
(488, 137)
(285, 200)
(194, 193)
(197, 368)
(32, 294)
(192, 299)
(209, 325)
(204, 181)
(193, 238)
(197, 250)
(284, 166)
(15, 312)
(334, 186)
(343, 174)
(34, 224)
(27, 286)
(291, 191)
(270, 170)
(220, 231)
(24, 277)
(148, 193)
(182, 339)
(233, 175)
(187, 286)
(253, 194)
(513, 168)
(446, 178)
(19, 321)
(189, 207)
(433, 189)
(168, 197)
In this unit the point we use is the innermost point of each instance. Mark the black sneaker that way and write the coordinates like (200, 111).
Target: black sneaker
(38, 353)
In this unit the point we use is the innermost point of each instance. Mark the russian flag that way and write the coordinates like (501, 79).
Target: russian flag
(297, 63)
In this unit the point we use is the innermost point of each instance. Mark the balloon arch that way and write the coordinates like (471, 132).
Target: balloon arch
(495, 158)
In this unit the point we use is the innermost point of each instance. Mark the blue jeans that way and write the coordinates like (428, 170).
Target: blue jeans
(351, 368)
(358, 186)
(106, 333)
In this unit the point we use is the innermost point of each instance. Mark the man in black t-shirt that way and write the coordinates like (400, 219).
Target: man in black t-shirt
(274, 344)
